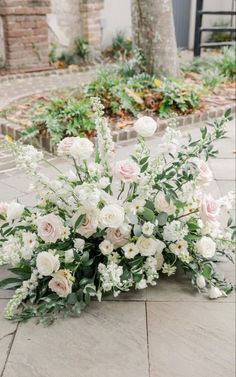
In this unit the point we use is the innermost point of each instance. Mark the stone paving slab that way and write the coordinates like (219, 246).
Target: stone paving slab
(191, 339)
(108, 340)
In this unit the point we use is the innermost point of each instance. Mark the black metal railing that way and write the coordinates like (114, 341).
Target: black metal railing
(198, 45)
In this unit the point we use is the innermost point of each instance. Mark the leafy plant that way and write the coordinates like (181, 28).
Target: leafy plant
(81, 48)
(53, 53)
(121, 45)
(221, 36)
(226, 62)
(212, 78)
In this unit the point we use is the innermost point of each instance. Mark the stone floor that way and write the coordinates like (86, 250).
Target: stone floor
(165, 331)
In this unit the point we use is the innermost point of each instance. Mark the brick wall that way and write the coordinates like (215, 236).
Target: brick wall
(25, 33)
(91, 28)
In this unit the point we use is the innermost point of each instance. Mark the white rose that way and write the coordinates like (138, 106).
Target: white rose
(47, 263)
(160, 260)
(145, 126)
(106, 247)
(61, 283)
(201, 282)
(161, 204)
(160, 246)
(14, 211)
(111, 216)
(215, 292)
(81, 149)
(147, 246)
(79, 243)
(206, 247)
(50, 228)
(63, 148)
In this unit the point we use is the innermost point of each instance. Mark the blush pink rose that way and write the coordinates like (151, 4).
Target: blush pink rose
(209, 208)
(127, 170)
(61, 283)
(90, 222)
(65, 145)
(204, 172)
(50, 228)
(117, 238)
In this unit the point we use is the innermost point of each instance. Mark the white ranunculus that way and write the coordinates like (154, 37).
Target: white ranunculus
(215, 292)
(201, 282)
(160, 260)
(106, 247)
(146, 246)
(145, 126)
(61, 283)
(47, 263)
(111, 216)
(14, 211)
(130, 250)
(161, 204)
(81, 149)
(206, 247)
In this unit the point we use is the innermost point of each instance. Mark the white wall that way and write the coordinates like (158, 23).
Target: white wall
(116, 16)
(64, 22)
(208, 20)
(2, 46)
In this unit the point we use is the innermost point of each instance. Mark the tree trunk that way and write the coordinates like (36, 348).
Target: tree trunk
(154, 34)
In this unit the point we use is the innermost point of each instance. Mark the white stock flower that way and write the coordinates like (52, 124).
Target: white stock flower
(145, 126)
(106, 247)
(162, 205)
(130, 250)
(200, 281)
(88, 195)
(147, 246)
(111, 216)
(14, 211)
(141, 284)
(174, 231)
(206, 247)
(47, 263)
(148, 228)
(81, 149)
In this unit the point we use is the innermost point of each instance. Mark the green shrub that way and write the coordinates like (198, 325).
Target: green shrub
(81, 48)
(121, 45)
(226, 62)
(211, 78)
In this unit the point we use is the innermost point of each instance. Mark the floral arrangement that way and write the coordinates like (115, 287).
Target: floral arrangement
(106, 227)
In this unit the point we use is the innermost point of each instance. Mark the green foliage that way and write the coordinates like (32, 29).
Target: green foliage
(53, 53)
(226, 62)
(121, 45)
(65, 117)
(212, 78)
(81, 48)
(221, 36)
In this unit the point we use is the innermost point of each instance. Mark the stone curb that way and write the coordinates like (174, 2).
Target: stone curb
(49, 72)
(14, 130)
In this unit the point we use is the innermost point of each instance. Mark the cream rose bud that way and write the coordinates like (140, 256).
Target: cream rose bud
(47, 263)
(162, 205)
(63, 148)
(111, 216)
(206, 247)
(61, 283)
(14, 211)
(69, 256)
(81, 149)
(160, 260)
(204, 172)
(50, 228)
(146, 246)
(106, 247)
(215, 292)
(145, 126)
(200, 281)
(127, 170)
(209, 208)
(79, 243)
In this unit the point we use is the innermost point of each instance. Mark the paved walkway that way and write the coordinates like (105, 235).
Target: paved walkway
(165, 331)
(14, 89)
